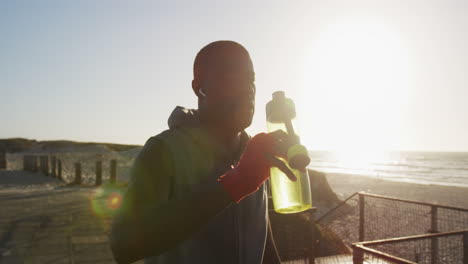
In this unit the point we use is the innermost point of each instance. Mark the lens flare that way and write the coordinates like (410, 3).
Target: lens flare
(114, 201)
(105, 201)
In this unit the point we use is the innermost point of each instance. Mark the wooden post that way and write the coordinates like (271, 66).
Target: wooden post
(77, 173)
(361, 217)
(3, 160)
(434, 241)
(28, 163)
(34, 163)
(25, 163)
(465, 247)
(44, 163)
(54, 166)
(113, 171)
(59, 170)
(41, 164)
(98, 173)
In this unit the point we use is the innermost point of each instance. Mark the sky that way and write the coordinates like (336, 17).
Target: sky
(364, 74)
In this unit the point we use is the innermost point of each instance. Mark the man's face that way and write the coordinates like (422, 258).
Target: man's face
(229, 86)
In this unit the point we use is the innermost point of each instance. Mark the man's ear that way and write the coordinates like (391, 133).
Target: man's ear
(198, 89)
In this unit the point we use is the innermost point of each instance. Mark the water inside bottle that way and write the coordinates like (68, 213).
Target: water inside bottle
(288, 196)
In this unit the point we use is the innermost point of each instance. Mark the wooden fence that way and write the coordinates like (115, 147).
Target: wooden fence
(52, 166)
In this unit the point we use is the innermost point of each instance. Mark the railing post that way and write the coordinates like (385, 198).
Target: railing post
(78, 173)
(2, 160)
(98, 173)
(434, 241)
(309, 216)
(59, 169)
(113, 170)
(361, 217)
(465, 247)
(358, 255)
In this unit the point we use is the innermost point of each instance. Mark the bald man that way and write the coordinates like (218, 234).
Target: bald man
(197, 192)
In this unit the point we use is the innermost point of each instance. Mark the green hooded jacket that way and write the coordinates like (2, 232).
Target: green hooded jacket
(187, 157)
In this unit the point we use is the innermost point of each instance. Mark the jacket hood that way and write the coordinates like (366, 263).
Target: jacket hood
(183, 117)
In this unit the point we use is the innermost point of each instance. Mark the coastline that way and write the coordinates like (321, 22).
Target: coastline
(345, 185)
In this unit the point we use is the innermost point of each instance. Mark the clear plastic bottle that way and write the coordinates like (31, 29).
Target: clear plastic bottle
(288, 196)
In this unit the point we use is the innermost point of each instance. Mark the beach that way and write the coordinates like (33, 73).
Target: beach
(46, 221)
(345, 185)
(32, 200)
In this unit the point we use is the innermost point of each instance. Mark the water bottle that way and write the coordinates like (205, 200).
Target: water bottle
(288, 196)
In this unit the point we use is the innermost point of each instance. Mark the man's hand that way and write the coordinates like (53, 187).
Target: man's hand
(253, 169)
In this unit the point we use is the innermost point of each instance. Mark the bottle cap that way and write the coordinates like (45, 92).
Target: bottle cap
(280, 108)
(278, 95)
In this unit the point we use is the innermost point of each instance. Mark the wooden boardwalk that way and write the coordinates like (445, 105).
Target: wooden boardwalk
(56, 225)
(44, 221)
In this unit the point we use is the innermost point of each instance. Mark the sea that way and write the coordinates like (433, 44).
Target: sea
(441, 168)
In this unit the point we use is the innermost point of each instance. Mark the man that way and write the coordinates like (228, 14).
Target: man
(197, 192)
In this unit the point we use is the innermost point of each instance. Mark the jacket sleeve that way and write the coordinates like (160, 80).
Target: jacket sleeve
(150, 222)
(150, 185)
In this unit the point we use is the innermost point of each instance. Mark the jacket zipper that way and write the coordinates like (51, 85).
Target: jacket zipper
(235, 210)
(236, 223)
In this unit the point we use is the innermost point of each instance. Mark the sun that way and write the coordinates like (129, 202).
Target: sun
(356, 86)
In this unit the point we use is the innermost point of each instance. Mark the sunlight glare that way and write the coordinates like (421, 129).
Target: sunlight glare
(356, 86)
(358, 160)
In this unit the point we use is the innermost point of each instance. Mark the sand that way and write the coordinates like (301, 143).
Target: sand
(45, 222)
(22, 181)
(347, 184)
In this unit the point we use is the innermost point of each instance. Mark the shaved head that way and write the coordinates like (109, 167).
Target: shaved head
(214, 55)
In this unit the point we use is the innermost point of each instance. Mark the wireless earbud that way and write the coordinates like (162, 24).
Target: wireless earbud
(202, 92)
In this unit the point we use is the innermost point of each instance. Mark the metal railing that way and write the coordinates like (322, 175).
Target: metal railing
(453, 248)
(368, 217)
